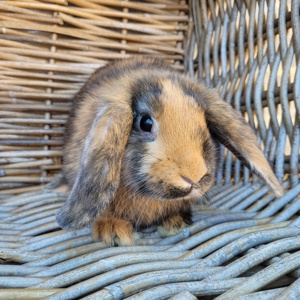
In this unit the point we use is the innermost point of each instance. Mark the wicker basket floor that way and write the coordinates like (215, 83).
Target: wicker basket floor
(228, 253)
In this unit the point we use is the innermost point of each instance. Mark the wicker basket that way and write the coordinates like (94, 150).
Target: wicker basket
(246, 245)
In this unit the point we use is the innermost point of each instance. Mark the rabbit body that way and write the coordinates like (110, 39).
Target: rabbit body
(141, 146)
(115, 224)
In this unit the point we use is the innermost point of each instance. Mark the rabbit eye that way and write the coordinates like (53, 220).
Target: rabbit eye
(146, 123)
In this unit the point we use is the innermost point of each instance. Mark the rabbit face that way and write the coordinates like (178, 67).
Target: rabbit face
(170, 153)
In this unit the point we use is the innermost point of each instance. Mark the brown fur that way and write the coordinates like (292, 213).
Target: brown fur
(128, 208)
(177, 120)
(122, 176)
(143, 210)
(113, 231)
(173, 222)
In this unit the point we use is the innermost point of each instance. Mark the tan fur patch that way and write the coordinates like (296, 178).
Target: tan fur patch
(113, 231)
(176, 147)
(173, 222)
(142, 210)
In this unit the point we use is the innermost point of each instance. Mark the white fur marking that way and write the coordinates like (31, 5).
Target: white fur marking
(108, 124)
(86, 149)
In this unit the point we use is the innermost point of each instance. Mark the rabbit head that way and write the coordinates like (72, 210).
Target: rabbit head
(140, 124)
(169, 153)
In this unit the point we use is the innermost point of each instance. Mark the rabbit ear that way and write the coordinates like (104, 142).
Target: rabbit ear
(231, 129)
(100, 167)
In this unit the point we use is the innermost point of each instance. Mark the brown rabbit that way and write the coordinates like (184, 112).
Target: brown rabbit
(141, 146)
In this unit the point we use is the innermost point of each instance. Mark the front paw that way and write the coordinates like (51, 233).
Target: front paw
(114, 232)
(172, 226)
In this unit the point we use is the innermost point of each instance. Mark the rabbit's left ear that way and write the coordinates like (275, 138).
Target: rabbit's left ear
(100, 166)
(233, 132)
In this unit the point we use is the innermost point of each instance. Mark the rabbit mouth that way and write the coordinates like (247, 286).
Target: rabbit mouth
(170, 192)
(175, 193)
(178, 193)
(194, 191)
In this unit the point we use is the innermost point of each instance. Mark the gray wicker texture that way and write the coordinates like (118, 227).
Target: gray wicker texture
(246, 243)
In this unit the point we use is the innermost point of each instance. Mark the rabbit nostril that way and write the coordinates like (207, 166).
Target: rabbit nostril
(188, 180)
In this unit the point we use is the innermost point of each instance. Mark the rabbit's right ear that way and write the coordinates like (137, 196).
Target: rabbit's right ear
(231, 129)
(100, 166)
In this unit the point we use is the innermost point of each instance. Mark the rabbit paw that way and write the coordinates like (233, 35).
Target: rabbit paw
(172, 226)
(114, 232)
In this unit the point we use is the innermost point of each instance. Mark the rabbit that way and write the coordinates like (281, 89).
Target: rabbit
(141, 147)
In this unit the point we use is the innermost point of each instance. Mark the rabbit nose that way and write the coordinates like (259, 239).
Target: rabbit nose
(188, 180)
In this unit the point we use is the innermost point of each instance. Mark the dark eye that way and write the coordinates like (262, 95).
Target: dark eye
(146, 123)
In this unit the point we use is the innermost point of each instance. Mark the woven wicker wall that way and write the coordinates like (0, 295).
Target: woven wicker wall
(47, 50)
(250, 51)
